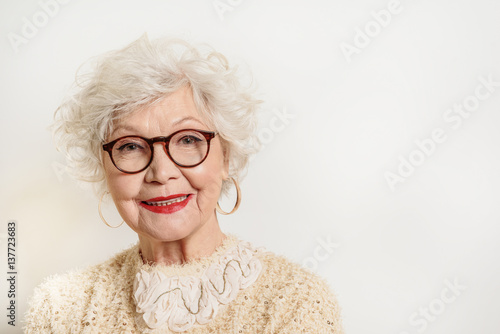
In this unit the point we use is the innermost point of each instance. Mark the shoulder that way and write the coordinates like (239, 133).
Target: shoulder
(56, 297)
(287, 273)
(301, 299)
(61, 300)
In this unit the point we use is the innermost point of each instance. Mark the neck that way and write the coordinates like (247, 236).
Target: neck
(199, 244)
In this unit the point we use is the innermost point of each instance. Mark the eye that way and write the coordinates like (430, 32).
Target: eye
(130, 145)
(189, 140)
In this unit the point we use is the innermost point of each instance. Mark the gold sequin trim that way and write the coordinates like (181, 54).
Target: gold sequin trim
(201, 287)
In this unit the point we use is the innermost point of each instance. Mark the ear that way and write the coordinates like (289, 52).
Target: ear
(225, 167)
(225, 163)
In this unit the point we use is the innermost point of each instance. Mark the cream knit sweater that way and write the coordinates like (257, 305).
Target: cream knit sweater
(285, 298)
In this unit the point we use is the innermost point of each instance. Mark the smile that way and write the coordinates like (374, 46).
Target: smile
(168, 202)
(166, 205)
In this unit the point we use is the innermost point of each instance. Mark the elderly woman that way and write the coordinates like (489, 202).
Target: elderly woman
(164, 129)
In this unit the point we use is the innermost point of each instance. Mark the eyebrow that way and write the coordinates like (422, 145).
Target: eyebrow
(187, 118)
(176, 123)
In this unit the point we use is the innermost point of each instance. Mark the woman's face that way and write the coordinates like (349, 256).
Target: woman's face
(137, 196)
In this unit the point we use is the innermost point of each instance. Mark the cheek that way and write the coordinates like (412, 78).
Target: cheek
(207, 184)
(124, 190)
(122, 187)
(207, 180)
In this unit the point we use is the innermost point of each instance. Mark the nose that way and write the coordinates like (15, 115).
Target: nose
(162, 168)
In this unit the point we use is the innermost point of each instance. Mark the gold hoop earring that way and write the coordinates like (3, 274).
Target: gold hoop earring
(238, 200)
(100, 213)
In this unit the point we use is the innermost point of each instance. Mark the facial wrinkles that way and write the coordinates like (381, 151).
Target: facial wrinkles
(155, 122)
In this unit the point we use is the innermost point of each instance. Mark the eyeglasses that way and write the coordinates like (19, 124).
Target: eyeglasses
(186, 148)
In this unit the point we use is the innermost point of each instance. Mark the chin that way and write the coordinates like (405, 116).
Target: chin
(169, 231)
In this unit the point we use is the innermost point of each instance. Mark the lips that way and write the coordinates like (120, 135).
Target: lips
(166, 205)
(166, 202)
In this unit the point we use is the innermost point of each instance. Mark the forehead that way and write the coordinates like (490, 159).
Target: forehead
(175, 111)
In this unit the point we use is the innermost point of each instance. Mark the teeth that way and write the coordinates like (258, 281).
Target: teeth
(164, 203)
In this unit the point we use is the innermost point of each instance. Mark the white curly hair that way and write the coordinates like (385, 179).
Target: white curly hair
(141, 74)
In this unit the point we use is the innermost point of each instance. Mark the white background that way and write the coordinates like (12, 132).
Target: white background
(321, 175)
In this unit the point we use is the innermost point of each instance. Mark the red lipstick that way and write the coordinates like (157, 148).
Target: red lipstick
(169, 204)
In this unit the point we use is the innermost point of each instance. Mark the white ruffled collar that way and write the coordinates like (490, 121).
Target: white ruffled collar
(184, 301)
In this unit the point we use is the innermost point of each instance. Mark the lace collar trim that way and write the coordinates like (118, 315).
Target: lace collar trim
(183, 301)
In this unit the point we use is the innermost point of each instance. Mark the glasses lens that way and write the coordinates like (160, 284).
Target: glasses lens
(188, 148)
(131, 154)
